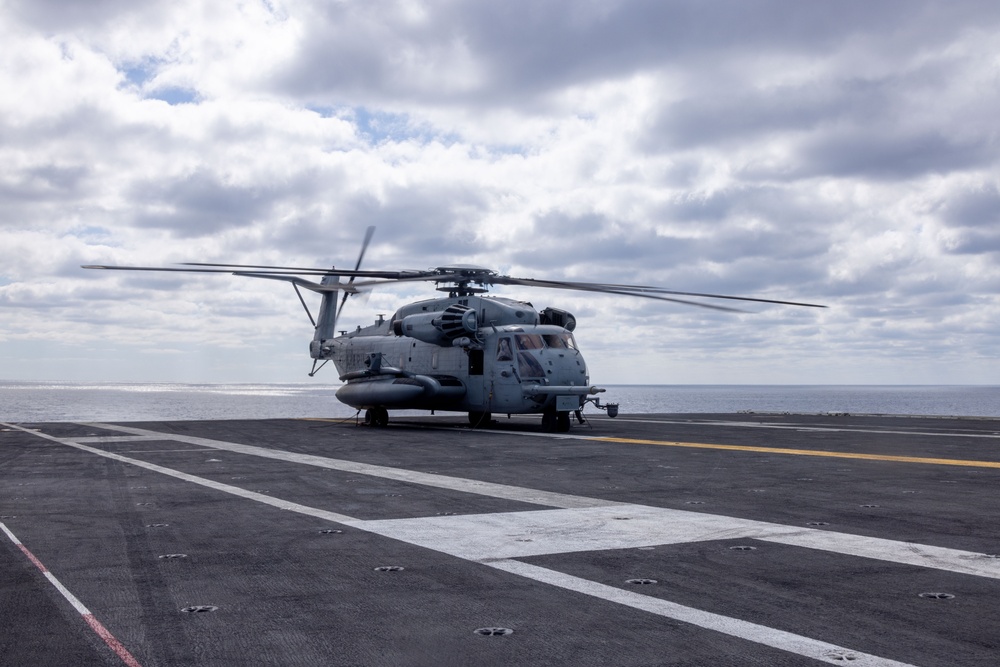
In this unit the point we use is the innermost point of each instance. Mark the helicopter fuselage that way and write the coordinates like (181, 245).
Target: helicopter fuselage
(464, 353)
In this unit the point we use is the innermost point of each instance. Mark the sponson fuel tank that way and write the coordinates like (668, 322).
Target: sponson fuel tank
(390, 389)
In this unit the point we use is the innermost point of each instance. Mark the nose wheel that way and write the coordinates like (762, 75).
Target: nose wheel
(555, 422)
(377, 417)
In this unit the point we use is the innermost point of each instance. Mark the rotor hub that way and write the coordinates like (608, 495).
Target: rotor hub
(463, 279)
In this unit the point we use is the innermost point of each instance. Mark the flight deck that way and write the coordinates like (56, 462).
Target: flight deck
(736, 539)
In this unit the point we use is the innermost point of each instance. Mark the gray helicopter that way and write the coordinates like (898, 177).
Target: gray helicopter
(464, 352)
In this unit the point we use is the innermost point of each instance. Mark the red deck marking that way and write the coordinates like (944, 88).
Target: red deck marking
(94, 624)
(31, 557)
(111, 641)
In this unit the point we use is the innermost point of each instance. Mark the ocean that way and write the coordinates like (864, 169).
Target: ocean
(27, 402)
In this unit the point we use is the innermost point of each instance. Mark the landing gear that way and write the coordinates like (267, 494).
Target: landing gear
(480, 419)
(555, 422)
(562, 422)
(377, 417)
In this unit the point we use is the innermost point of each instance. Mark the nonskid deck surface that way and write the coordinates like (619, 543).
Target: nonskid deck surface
(644, 540)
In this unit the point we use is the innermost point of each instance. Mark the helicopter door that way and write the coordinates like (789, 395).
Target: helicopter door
(474, 395)
(506, 382)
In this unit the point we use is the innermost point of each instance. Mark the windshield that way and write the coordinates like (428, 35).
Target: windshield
(560, 341)
(529, 342)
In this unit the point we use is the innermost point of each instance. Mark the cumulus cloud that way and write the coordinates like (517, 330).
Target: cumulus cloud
(841, 153)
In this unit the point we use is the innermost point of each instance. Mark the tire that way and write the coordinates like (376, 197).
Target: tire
(550, 421)
(562, 422)
(480, 419)
(377, 417)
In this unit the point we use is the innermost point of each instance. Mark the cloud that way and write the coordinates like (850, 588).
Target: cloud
(841, 153)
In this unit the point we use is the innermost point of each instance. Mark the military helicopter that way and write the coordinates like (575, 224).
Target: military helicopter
(464, 352)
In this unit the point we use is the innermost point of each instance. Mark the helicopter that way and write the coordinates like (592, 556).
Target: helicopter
(464, 352)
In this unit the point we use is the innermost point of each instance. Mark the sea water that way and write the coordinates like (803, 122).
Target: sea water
(49, 401)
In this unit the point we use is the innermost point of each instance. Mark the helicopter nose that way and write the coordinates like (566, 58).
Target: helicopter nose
(568, 370)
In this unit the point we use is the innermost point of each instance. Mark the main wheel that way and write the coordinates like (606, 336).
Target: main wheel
(479, 419)
(377, 417)
(550, 421)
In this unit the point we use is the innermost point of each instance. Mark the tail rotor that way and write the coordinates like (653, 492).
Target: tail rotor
(364, 246)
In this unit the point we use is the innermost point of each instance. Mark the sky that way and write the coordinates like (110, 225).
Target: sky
(842, 153)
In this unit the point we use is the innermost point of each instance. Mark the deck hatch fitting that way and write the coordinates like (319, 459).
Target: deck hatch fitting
(841, 655)
(199, 609)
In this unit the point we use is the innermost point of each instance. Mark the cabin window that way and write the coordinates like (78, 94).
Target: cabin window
(434, 359)
(504, 352)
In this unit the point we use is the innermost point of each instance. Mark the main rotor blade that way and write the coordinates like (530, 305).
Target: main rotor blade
(636, 290)
(384, 278)
(237, 269)
(332, 271)
(604, 289)
(295, 280)
(110, 267)
(300, 269)
(505, 280)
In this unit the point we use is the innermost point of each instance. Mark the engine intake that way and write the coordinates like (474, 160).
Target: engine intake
(439, 328)
(557, 317)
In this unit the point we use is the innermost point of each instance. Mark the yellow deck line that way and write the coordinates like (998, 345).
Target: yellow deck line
(808, 452)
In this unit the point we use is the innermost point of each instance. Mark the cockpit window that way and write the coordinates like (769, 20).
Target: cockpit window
(528, 366)
(529, 342)
(504, 352)
(560, 341)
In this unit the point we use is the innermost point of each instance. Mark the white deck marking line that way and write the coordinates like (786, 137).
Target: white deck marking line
(92, 439)
(452, 534)
(202, 481)
(921, 555)
(734, 627)
(482, 537)
(160, 451)
(88, 617)
(503, 491)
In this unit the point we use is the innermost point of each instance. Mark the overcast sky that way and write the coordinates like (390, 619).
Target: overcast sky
(844, 153)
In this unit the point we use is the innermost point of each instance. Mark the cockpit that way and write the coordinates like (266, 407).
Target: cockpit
(529, 350)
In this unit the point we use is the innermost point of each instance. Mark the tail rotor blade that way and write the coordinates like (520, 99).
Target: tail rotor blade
(364, 246)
